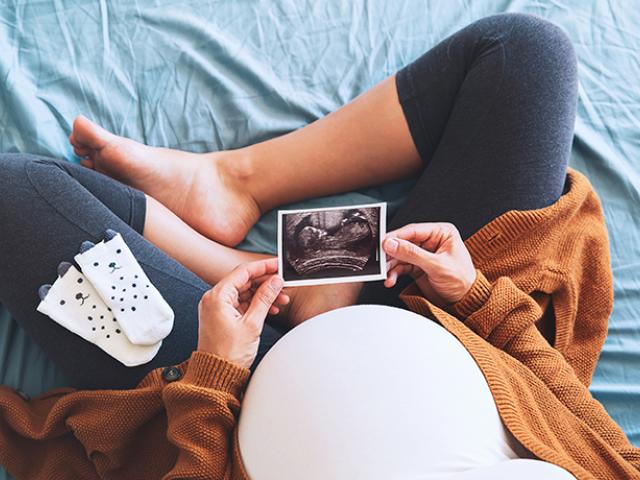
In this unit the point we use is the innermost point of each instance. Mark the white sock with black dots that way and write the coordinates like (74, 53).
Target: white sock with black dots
(73, 303)
(145, 316)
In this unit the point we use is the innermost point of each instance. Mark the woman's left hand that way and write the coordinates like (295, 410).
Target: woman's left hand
(435, 256)
(232, 313)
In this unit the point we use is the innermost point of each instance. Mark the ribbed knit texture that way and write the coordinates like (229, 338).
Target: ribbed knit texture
(558, 256)
(554, 258)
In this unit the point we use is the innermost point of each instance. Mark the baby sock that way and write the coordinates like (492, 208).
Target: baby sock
(73, 303)
(145, 317)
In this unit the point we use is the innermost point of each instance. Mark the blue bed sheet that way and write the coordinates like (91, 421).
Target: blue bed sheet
(210, 75)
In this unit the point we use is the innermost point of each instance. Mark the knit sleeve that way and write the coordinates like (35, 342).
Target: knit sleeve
(202, 413)
(505, 316)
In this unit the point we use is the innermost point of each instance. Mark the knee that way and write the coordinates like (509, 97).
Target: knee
(13, 182)
(541, 34)
(12, 164)
(542, 42)
(14, 177)
(12, 170)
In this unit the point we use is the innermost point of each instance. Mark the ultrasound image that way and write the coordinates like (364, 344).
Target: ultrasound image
(331, 243)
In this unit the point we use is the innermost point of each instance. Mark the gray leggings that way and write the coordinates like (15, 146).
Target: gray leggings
(491, 111)
(47, 208)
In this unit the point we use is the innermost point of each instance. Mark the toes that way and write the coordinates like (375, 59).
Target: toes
(87, 162)
(86, 245)
(87, 134)
(81, 151)
(63, 267)
(43, 291)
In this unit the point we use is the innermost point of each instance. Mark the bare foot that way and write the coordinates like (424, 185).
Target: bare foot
(307, 302)
(202, 189)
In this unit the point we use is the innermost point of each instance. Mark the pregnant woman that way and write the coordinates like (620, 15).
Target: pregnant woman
(507, 247)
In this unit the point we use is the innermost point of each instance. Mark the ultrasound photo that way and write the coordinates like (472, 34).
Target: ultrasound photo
(332, 245)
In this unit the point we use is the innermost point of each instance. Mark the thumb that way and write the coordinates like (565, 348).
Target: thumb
(410, 253)
(262, 300)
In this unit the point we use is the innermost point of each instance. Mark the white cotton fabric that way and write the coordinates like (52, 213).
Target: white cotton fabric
(520, 469)
(73, 303)
(370, 392)
(145, 316)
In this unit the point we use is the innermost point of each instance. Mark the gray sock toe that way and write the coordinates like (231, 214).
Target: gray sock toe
(63, 267)
(43, 291)
(109, 234)
(86, 245)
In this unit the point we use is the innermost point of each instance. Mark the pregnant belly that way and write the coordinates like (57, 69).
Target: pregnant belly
(369, 392)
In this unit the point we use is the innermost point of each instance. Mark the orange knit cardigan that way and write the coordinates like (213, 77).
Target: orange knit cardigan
(535, 266)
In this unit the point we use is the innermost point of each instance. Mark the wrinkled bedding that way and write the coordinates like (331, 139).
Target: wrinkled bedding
(210, 75)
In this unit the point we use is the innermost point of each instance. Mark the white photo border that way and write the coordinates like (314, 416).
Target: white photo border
(382, 231)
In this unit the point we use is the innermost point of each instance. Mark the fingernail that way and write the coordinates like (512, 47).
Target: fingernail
(392, 245)
(276, 282)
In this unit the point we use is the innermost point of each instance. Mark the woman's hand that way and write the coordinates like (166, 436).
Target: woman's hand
(232, 313)
(435, 256)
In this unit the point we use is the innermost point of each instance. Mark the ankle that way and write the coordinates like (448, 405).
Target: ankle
(237, 167)
(236, 164)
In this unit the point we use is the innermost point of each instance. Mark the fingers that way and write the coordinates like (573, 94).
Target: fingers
(263, 300)
(396, 272)
(247, 291)
(410, 253)
(243, 284)
(416, 231)
(429, 234)
(244, 306)
(241, 277)
(254, 283)
(282, 299)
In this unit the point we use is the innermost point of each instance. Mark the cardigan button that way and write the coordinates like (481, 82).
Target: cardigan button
(171, 374)
(23, 395)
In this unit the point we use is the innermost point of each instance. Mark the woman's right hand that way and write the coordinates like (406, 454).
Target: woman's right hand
(232, 313)
(435, 256)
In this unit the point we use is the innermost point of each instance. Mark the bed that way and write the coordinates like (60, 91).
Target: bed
(210, 75)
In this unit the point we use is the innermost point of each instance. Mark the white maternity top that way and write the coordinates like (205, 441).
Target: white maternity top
(373, 392)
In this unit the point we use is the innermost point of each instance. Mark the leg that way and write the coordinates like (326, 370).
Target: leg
(491, 110)
(367, 141)
(488, 110)
(222, 194)
(364, 143)
(204, 257)
(209, 260)
(48, 208)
